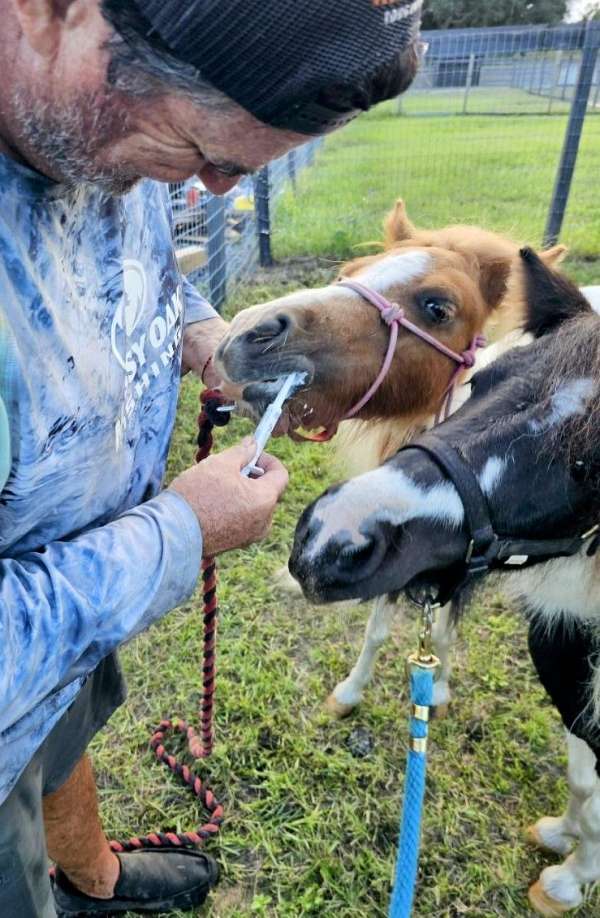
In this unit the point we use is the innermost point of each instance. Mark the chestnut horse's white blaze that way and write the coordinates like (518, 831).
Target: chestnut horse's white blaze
(399, 268)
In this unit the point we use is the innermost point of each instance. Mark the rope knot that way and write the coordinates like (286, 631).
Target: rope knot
(470, 356)
(392, 313)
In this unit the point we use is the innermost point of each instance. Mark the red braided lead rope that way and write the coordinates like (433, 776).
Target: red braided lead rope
(200, 744)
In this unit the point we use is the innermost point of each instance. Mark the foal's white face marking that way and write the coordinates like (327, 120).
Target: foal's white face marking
(569, 400)
(397, 268)
(385, 495)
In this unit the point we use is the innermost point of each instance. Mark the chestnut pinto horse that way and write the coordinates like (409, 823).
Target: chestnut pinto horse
(451, 283)
(509, 484)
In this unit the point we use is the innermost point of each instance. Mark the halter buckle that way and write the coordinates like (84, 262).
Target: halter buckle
(470, 551)
(591, 532)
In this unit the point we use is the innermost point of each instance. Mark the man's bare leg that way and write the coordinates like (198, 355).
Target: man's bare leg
(74, 834)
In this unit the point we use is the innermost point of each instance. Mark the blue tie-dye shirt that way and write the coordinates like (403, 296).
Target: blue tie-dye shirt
(92, 309)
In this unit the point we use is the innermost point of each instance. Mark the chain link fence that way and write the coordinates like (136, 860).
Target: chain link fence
(220, 240)
(500, 128)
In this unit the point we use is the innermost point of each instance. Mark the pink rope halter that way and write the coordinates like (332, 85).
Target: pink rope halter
(393, 316)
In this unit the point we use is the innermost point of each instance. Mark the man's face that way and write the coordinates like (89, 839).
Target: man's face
(72, 125)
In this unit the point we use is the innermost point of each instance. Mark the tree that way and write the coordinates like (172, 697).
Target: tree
(592, 11)
(456, 14)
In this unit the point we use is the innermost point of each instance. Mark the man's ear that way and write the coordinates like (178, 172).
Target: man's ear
(41, 22)
(551, 297)
(397, 227)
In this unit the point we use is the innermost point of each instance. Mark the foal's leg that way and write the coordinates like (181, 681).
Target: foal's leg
(561, 888)
(348, 694)
(563, 658)
(558, 834)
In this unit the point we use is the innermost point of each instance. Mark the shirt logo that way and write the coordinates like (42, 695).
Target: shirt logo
(130, 308)
(145, 339)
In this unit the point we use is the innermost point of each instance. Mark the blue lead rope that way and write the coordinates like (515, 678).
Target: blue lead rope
(421, 693)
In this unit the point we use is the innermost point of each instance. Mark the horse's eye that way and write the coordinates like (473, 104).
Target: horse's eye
(437, 309)
(579, 470)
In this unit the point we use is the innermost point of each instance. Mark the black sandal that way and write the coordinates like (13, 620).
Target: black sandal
(151, 880)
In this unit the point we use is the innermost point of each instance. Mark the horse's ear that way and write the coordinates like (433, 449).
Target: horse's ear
(397, 226)
(554, 256)
(493, 280)
(551, 297)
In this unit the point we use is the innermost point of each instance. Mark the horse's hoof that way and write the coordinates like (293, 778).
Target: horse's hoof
(533, 838)
(559, 845)
(439, 711)
(544, 904)
(338, 708)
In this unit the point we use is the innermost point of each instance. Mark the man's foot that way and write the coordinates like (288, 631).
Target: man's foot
(151, 880)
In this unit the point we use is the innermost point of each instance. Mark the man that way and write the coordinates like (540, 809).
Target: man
(95, 96)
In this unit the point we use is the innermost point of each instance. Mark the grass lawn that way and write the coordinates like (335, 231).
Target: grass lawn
(498, 172)
(481, 100)
(310, 828)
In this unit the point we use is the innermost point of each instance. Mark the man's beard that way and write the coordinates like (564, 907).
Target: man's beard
(65, 140)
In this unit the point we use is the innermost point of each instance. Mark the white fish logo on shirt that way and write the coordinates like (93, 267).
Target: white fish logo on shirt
(130, 308)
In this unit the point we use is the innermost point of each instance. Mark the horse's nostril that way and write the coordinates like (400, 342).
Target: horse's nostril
(353, 559)
(269, 331)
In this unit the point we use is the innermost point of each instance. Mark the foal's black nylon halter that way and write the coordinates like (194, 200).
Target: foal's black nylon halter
(487, 550)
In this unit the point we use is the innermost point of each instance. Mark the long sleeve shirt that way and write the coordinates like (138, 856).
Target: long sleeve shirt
(92, 310)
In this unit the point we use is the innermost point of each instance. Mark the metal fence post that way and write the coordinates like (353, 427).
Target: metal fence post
(292, 170)
(556, 81)
(542, 75)
(263, 217)
(567, 75)
(468, 82)
(570, 149)
(216, 250)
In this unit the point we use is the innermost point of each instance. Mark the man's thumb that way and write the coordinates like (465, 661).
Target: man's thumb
(245, 451)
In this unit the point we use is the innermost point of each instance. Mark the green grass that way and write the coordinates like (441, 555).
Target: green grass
(495, 171)
(310, 830)
(480, 100)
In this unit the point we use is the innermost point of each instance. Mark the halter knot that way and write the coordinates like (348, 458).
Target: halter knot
(392, 313)
(469, 356)
(393, 316)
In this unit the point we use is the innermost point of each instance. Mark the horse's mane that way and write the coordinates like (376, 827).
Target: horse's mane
(575, 352)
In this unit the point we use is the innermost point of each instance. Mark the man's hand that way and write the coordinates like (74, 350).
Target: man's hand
(233, 511)
(200, 341)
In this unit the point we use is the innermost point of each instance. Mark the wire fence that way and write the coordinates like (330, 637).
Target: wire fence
(512, 71)
(220, 240)
(500, 128)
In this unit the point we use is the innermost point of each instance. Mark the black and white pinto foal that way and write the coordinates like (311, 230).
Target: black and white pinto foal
(510, 484)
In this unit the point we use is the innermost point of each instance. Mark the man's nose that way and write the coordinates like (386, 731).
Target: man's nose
(216, 182)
